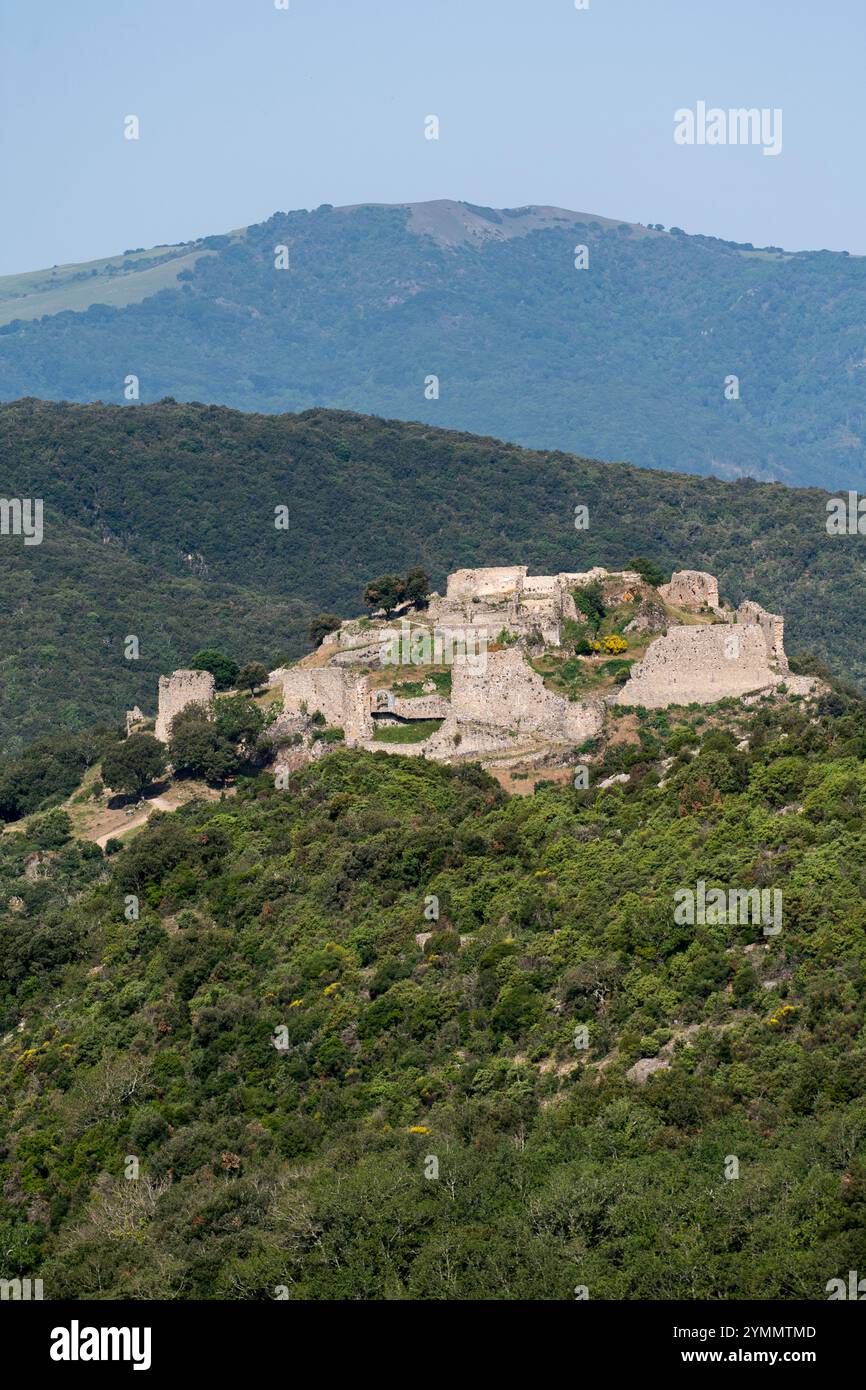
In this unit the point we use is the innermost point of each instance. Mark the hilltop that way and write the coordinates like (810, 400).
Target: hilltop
(160, 523)
(522, 672)
(537, 678)
(629, 358)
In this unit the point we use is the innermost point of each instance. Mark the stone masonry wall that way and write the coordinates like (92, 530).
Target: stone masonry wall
(691, 589)
(772, 626)
(178, 690)
(340, 696)
(497, 584)
(508, 693)
(700, 665)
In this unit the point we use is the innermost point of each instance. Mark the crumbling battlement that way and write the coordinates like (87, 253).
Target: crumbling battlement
(691, 589)
(772, 626)
(178, 690)
(500, 585)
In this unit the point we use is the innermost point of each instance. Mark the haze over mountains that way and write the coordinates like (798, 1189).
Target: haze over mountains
(625, 359)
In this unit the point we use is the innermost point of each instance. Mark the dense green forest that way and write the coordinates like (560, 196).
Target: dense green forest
(160, 523)
(262, 1083)
(626, 359)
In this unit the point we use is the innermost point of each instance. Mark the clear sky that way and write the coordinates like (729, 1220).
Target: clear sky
(246, 109)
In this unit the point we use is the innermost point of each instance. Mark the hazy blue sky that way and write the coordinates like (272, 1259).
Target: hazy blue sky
(246, 110)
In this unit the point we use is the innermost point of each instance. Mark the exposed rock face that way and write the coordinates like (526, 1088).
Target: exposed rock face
(650, 617)
(178, 690)
(692, 589)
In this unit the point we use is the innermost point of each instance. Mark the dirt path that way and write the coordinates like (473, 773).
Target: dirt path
(160, 802)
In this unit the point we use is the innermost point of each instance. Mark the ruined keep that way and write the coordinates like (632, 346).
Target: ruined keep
(178, 690)
(511, 599)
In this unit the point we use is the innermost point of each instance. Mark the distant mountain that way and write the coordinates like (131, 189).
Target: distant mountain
(632, 357)
(160, 523)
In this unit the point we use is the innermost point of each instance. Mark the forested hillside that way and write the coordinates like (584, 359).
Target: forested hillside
(627, 358)
(262, 1086)
(160, 523)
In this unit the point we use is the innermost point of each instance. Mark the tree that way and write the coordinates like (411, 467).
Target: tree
(197, 748)
(319, 627)
(134, 764)
(385, 592)
(238, 719)
(648, 571)
(222, 668)
(418, 586)
(251, 676)
(590, 602)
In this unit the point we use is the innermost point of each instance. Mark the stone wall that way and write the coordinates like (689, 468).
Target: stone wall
(510, 695)
(498, 585)
(510, 598)
(772, 626)
(700, 665)
(692, 589)
(421, 706)
(341, 697)
(178, 690)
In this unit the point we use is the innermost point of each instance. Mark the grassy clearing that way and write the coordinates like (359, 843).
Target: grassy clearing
(416, 732)
(118, 281)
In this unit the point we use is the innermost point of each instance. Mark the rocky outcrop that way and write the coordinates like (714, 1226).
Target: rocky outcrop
(650, 616)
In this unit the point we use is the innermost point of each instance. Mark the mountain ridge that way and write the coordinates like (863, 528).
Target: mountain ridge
(684, 352)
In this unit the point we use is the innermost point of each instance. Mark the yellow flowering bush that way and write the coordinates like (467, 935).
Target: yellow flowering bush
(781, 1015)
(612, 645)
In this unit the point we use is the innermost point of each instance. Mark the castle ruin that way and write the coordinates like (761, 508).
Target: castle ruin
(178, 690)
(691, 650)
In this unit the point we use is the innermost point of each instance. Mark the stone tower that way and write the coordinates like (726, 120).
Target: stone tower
(178, 690)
